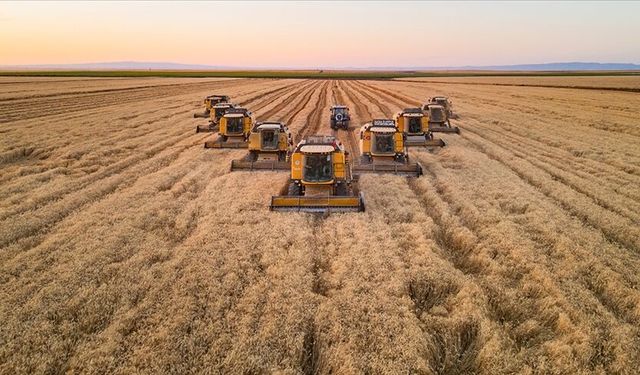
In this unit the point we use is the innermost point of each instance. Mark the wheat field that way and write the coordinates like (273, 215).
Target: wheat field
(126, 247)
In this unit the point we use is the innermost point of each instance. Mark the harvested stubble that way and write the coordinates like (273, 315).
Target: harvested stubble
(127, 247)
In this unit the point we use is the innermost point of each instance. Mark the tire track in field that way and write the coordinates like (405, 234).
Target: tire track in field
(305, 101)
(353, 145)
(384, 108)
(314, 118)
(367, 102)
(265, 98)
(400, 99)
(311, 348)
(294, 97)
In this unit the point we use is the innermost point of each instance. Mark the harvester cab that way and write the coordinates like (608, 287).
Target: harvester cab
(415, 127)
(340, 117)
(320, 180)
(383, 150)
(217, 111)
(209, 102)
(270, 143)
(438, 119)
(235, 126)
(446, 103)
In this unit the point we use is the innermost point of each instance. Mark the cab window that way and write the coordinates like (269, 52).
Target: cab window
(415, 125)
(382, 143)
(269, 139)
(318, 168)
(235, 124)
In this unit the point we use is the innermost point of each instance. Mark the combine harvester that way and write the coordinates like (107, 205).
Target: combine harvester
(383, 150)
(270, 144)
(235, 127)
(340, 117)
(446, 103)
(321, 179)
(217, 111)
(438, 119)
(209, 102)
(415, 127)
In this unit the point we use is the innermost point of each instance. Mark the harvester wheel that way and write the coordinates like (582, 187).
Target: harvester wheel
(253, 156)
(223, 138)
(282, 156)
(294, 190)
(341, 189)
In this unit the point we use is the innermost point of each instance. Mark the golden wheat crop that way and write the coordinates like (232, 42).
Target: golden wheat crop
(125, 246)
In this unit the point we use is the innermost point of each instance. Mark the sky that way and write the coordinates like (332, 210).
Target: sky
(320, 34)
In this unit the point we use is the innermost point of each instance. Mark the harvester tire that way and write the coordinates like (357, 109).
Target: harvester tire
(294, 190)
(341, 189)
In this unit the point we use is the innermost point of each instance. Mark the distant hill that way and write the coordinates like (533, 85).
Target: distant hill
(137, 65)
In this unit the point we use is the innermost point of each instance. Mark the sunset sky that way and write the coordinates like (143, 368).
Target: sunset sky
(319, 34)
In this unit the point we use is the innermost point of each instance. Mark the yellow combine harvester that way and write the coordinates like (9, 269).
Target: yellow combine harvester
(235, 127)
(217, 111)
(415, 126)
(446, 103)
(320, 180)
(209, 102)
(438, 119)
(382, 150)
(270, 143)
